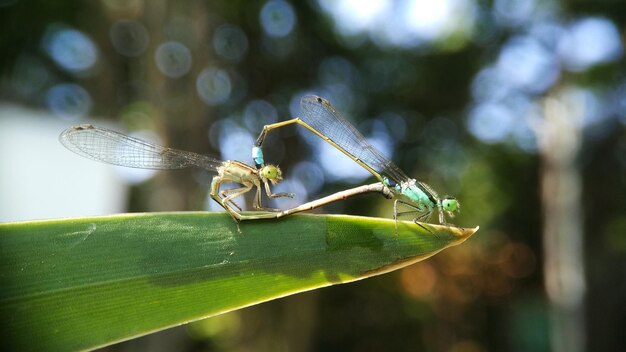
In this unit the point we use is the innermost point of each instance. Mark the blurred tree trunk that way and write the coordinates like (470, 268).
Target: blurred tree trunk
(560, 143)
(181, 115)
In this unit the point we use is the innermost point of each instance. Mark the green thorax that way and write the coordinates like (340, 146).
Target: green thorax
(414, 192)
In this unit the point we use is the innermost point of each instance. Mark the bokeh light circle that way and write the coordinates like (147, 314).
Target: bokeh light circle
(173, 59)
(235, 144)
(259, 113)
(71, 49)
(214, 86)
(230, 42)
(68, 100)
(277, 18)
(129, 38)
(491, 123)
(590, 41)
(528, 65)
(310, 175)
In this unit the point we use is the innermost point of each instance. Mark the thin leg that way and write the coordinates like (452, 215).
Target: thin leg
(224, 202)
(237, 192)
(257, 198)
(215, 186)
(225, 192)
(258, 203)
(230, 198)
(395, 215)
(442, 219)
(423, 216)
(417, 210)
(269, 193)
(234, 193)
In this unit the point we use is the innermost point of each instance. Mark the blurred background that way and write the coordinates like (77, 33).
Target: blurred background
(518, 108)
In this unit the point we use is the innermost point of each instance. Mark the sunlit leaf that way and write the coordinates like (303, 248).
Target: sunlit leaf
(82, 283)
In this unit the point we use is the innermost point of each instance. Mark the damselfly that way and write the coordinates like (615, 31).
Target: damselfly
(115, 148)
(322, 119)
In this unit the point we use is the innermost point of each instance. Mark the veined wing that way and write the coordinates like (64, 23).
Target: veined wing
(321, 116)
(104, 145)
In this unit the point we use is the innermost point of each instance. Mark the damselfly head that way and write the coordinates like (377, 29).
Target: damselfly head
(451, 205)
(271, 173)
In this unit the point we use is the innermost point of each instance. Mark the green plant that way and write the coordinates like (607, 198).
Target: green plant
(89, 282)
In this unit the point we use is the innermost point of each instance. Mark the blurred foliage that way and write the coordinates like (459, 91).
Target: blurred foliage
(457, 106)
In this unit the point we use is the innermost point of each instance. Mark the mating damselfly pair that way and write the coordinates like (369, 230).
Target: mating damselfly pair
(319, 117)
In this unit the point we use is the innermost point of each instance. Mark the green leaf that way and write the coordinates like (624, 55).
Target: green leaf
(84, 283)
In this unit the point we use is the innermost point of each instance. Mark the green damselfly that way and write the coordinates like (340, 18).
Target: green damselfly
(321, 118)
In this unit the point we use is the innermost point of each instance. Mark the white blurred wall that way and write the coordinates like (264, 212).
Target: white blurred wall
(40, 179)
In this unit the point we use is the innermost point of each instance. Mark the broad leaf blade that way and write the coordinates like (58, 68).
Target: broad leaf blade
(88, 282)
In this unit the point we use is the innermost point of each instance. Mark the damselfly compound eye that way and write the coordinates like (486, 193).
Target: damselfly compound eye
(450, 204)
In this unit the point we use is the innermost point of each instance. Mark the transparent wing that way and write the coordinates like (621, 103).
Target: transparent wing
(320, 115)
(112, 147)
